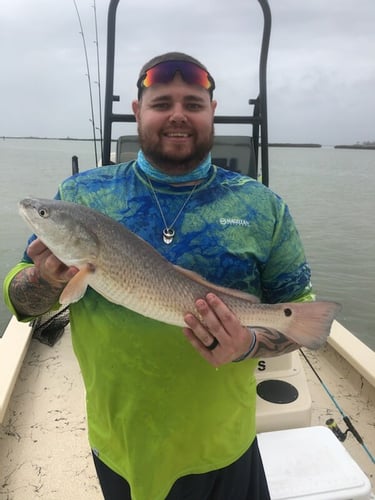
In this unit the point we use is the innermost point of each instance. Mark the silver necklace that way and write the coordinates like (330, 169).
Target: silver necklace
(168, 231)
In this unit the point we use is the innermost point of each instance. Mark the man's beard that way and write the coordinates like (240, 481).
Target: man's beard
(173, 163)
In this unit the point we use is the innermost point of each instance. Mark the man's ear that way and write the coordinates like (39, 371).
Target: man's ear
(135, 108)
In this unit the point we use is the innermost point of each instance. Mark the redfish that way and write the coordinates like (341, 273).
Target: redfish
(129, 272)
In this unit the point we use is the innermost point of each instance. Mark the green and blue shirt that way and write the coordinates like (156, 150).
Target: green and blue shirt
(156, 409)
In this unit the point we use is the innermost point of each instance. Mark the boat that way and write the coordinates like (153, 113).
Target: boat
(315, 409)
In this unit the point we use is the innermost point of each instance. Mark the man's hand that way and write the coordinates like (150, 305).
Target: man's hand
(217, 321)
(49, 267)
(34, 290)
(218, 335)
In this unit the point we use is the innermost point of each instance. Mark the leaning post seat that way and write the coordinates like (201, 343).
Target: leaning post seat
(283, 396)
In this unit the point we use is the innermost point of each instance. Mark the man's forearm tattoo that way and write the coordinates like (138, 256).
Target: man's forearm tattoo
(31, 295)
(271, 343)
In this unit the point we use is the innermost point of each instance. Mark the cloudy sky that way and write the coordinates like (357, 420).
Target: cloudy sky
(321, 72)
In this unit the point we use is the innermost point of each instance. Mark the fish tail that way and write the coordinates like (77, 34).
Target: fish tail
(311, 322)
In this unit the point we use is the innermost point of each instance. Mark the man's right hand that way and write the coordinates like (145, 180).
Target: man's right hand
(35, 289)
(49, 267)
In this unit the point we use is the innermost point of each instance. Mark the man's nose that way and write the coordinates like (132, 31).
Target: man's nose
(178, 114)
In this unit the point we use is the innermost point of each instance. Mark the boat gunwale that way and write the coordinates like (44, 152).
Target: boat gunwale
(354, 351)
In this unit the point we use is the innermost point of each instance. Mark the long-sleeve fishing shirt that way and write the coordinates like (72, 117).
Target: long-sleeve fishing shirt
(156, 409)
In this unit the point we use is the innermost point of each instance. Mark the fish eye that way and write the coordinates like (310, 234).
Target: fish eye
(43, 212)
(287, 312)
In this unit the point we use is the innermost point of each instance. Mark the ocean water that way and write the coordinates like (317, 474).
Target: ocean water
(329, 192)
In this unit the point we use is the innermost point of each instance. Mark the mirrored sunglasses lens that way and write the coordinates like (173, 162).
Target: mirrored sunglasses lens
(165, 72)
(158, 74)
(196, 76)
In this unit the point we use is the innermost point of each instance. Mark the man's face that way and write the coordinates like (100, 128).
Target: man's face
(175, 125)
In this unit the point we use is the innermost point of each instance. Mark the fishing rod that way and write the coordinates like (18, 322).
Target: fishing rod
(96, 41)
(331, 422)
(92, 120)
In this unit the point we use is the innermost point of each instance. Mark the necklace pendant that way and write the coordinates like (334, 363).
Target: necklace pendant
(168, 235)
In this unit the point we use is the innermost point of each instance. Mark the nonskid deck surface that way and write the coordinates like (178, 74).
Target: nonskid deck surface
(353, 394)
(44, 451)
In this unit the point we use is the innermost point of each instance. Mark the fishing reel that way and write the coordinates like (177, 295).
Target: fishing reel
(341, 436)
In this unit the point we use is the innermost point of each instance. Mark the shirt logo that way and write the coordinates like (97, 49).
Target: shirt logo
(234, 222)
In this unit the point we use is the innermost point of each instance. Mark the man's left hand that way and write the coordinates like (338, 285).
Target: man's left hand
(216, 332)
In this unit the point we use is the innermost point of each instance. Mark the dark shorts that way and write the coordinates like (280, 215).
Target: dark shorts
(242, 480)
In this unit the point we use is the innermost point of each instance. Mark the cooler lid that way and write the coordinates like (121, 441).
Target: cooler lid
(311, 464)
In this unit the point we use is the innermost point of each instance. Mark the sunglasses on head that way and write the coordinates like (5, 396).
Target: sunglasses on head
(164, 72)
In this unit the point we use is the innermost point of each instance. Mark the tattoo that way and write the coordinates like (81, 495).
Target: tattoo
(271, 343)
(31, 295)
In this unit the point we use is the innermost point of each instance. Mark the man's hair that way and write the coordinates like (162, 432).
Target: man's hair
(169, 56)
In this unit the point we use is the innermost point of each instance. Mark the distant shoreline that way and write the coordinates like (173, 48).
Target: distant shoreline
(355, 146)
(271, 144)
(35, 138)
(293, 145)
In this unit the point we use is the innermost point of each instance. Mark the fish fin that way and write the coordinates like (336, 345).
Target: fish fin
(311, 323)
(216, 288)
(77, 286)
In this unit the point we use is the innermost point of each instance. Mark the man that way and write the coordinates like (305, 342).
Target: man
(169, 418)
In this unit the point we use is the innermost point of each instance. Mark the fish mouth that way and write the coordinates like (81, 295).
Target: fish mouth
(29, 208)
(27, 203)
(23, 206)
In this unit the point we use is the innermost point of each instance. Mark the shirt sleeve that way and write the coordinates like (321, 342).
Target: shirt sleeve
(6, 284)
(286, 276)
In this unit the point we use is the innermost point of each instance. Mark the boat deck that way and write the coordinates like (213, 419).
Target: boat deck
(43, 442)
(43, 439)
(354, 395)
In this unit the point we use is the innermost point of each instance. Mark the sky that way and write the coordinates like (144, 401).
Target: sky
(321, 63)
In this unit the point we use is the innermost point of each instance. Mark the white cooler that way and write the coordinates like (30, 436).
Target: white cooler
(310, 463)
